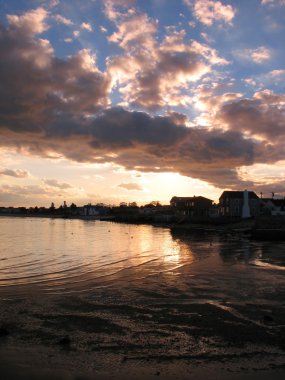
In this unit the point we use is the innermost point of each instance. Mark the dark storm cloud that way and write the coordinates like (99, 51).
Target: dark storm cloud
(36, 86)
(263, 115)
(141, 142)
(120, 129)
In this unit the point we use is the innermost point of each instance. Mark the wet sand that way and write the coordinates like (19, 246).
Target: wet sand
(158, 330)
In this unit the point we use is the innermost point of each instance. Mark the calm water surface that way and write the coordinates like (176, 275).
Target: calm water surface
(56, 256)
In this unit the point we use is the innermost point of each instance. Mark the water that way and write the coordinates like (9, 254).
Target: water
(143, 293)
(61, 255)
(58, 255)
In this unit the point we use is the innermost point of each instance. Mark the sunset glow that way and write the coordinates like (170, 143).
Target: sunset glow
(130, 100)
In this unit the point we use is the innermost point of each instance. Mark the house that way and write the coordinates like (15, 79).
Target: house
(239, 204)
(214, 211)
(192, 206)
(274, 207)
(90, 210)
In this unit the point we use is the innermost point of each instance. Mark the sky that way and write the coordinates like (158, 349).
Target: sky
(140, 100)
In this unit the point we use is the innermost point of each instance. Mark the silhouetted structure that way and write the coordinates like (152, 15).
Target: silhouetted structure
(234, 203)
(192, 206)
(274, 207)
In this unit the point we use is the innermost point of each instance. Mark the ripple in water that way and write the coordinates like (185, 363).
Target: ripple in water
(76, 255)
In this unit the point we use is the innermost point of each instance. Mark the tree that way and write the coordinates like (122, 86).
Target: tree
(52, 207)
(153, 204)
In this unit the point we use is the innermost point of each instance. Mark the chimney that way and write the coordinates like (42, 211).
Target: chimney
(245, 206)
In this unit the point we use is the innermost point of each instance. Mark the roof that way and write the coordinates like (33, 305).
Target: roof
(238, 195)
(183, 199)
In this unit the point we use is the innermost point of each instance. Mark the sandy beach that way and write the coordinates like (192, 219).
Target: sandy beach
(81, 338)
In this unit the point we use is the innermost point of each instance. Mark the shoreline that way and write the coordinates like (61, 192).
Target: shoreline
(220, 226)
(249, 227)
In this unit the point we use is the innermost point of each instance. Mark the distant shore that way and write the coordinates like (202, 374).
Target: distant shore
(249, 227)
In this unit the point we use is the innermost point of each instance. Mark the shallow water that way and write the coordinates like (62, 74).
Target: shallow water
(57, 255)
(137, 294)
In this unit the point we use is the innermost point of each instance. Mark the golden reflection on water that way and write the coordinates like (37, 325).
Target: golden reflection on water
(76, 253)
(66, 252)
(171, 252)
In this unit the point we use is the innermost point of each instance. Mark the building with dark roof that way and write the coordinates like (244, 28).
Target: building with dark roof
(239, 204)
(192, 206)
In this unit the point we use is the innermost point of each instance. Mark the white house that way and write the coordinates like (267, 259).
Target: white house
(274, 207)
(90, 210)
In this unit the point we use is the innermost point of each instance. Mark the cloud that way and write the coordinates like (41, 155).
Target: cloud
(29, 195)
(113, 8)
(17, 173)
(139, 142)
(258, 55)
(36, 86)
(210, 11)
(131, 186)
(30, 23)
(37, 194)
(250, 82)
(24, 190)
(151, 74)
(271, 78)
(135, 29)
(271, 24)
(63, 20)
(55, 183)
(53, 3)
(263, 115)
(277, 73)
(266, 178)
(86, 26)
(273, 3)
(54, 107)
(208, 99)
(207, 38)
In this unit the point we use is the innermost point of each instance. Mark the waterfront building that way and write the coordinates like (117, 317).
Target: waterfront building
(239, 204)
(90, 210)
(274, 207)
(192, 206)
